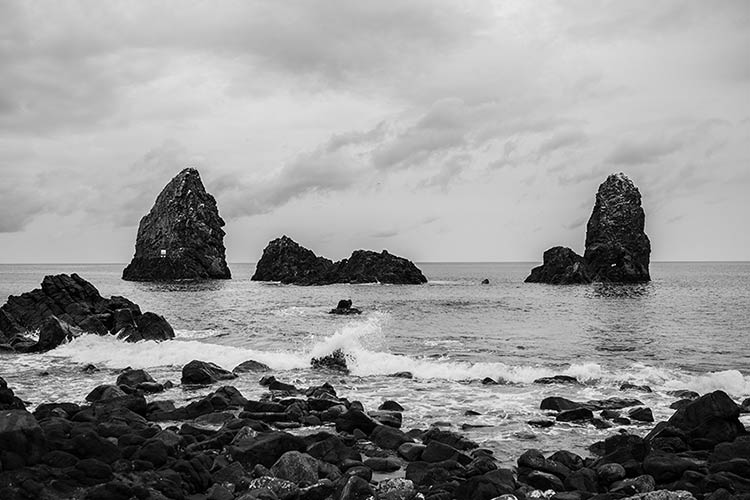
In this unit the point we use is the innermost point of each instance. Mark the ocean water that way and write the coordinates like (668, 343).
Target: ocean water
(687, 329)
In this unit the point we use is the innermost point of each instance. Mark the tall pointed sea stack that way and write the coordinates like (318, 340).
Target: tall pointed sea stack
(181, 237)
(617, 248)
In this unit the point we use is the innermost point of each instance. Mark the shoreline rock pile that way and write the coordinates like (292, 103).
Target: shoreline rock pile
(617, 248)
(225, 446)
(66, 306)
(181, 238)
(286, 261)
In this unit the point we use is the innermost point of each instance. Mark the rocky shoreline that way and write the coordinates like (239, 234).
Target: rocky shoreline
(314, 443)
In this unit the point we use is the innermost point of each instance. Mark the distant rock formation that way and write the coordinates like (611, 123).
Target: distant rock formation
(617, 248)
(285, 261)
(181, 237)
(561, 266)
(66, 306)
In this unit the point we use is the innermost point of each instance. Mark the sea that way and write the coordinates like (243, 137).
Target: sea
(689, 328)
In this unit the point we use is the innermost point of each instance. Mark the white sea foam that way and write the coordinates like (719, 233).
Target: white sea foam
(365, 345)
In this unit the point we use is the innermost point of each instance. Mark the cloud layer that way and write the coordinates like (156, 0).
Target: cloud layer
(393, 112)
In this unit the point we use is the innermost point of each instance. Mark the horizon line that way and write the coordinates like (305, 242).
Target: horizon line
(415, 262)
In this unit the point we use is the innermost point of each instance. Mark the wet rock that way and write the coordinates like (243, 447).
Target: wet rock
(541, 423)
(297, 467)
(67, 305)
(560, 266)
(181, 237)
(667, 467)
(609, 473)
(627, 386)
(8, 400)
(543, 481)
(641, 414)
(390, 405)
(383, 464)
(345, 308)
(204, 373)
(557, 379)
(663, 495)
(282, 489)
(713, 417)
(584, 479)
(556, 403)
(395, 489)
(22, 441)
(265, 448)
(404, 374)
(357, 488)
(132, 378)
(335, 361)
(251, 366)
(485, 281)
(388, 438)
(617, 248)
(285, 261)
(355, 419)
(411, 451)
(574, 415)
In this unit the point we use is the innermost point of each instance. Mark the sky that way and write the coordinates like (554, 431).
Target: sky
(439, 130)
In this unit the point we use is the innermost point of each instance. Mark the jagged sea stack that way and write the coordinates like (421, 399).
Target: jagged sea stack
(617, 248)
(288, 262)
(181, 237)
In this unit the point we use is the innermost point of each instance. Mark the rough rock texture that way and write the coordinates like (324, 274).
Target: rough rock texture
(561, 266)
(617, 248)
(286, 261)
(67, 305)
(181, 237)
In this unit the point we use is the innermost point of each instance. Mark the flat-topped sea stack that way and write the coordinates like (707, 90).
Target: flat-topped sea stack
(617, 248)
(181, 238)
(66, 306)
(286, 261)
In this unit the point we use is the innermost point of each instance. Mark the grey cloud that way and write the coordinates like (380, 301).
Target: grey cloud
(644, 151)
(575, 224)
(562, 139)
(18, 207)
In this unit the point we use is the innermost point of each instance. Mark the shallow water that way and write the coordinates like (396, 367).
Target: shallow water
(689, 328)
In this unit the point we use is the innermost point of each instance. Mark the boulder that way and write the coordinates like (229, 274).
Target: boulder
(67, 305)
(132, 378)
(713, 417)
(22, 441)
(335, 361)
(181, 237)
(204, 373)
(560, 266)
(286, 261)
(299, 468)
(8, 400)
(617, 248)
(251, 366)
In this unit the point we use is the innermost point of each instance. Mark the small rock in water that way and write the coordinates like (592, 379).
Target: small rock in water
(344, 307)
(390, 405)
(401, 375)
(251, 366)
(641, 414)
(89, 368)
(204, 373)
(627, 386)
(485, 281)
(557, 379)
(489, 381)
(541, 423)
(471, 413)
(334, 361)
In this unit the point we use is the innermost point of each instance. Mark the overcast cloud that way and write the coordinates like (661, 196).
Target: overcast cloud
(349, 124)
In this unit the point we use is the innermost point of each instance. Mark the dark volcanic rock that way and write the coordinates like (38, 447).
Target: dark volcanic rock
(561, 266)
(344, 307)
(67, 305)
(204, 373)
(181, 237)
(285, 261)
(617, 249)
(713, 417)
(334, 361)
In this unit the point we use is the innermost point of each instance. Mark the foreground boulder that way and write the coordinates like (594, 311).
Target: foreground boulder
(204, 373)
(181, 237)
(617, 248)
(286, 261)
(66, 306)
